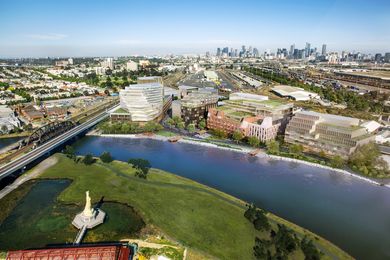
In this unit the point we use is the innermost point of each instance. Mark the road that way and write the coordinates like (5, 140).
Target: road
(29, 157)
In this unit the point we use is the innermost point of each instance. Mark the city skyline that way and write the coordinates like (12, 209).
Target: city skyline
(95, 28)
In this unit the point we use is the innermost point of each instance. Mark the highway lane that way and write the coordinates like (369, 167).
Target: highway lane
(29, 157)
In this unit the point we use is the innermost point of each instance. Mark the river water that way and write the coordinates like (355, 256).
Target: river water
(351, 213)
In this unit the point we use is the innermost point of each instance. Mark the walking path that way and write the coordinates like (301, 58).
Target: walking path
(35, 172)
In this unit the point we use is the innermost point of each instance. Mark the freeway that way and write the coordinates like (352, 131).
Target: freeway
(41, 150)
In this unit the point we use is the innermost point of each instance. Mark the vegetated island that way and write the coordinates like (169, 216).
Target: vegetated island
(210, 223)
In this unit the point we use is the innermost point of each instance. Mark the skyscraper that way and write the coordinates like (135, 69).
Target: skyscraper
(218, 52)
(387, 57)
(292, 48)
(307, 50)
(323, 50)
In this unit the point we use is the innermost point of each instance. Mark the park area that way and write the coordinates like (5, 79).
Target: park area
(208, 222)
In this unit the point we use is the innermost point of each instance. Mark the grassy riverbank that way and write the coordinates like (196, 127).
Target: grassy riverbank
(192, 214)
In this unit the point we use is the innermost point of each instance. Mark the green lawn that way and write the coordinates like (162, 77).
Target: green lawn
(185, 211)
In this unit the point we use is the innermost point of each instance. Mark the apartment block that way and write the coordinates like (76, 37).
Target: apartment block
(195, 106)
(253, 115)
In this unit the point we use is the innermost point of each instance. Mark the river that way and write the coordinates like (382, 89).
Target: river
(351, 213)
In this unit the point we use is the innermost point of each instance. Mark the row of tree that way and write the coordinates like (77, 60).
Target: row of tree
(370, 102)
(141, 166)
(129, 127)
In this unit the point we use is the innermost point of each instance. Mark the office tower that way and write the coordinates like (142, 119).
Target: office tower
(250, 53)
(255, 52)
(243, 51)
(218, 52)
(378, 57)
(307, 50)
(235, 53)
(323, 50)
(292, 48)
(144, 102)
(387, 57)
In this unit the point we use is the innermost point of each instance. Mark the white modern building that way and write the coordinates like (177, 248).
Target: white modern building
(144, 102)
(131, 65)
(108, 63)
(298, 94)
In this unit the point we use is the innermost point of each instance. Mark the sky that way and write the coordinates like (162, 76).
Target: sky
(62, 28)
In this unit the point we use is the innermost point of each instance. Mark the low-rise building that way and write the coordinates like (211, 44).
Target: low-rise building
(332, 134)
(298, 94)
(253, 115)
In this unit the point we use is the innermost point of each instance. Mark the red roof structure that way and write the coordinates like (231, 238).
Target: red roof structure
(109, 252)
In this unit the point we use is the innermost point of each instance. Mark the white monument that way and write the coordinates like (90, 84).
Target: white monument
(90, 217)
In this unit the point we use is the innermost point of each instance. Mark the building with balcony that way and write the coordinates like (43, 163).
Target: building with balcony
(195, 106)
(253, 115)
(332, 134)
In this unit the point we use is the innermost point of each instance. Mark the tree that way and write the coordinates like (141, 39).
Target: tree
(202, 124)
(237, 136)
(88, 159)
(106, 157)
(191, 128)
(310, 250)
(273, 147)
(170, 122)
(261, 221)
(250, 212)
(181, 125)
(261, 249)
(366, 159)
(296, 149)
(142, 167)
(218, 133)
(177, 119)
(285, 241)
(70, 152)
(253, 141)
(337, 161)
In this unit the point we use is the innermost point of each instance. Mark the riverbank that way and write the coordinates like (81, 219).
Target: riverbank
(240, 149)
(188, 212)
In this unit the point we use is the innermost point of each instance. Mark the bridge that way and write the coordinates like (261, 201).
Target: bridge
(66, 131)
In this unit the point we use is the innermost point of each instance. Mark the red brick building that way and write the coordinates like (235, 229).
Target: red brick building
(95, 252)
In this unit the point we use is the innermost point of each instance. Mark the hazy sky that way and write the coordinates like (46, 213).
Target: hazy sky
(38, 28)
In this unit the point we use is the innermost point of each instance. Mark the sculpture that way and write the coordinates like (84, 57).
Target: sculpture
(88, 211)
(89, 217)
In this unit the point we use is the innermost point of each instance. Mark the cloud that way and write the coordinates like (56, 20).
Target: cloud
(49, 36)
